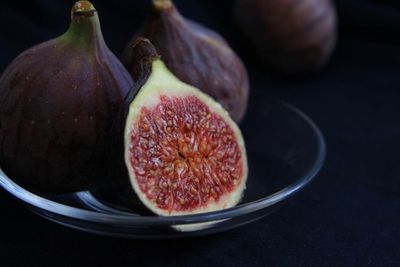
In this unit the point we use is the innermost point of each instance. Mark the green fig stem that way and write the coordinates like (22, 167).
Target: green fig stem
(85, 24)
(166, 9)
(82, 9)
(162, 4)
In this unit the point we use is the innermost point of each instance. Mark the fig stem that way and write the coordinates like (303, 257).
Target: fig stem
(143, 54)
(162, 4)
(146, 48)
(82, 9)
(85, 24)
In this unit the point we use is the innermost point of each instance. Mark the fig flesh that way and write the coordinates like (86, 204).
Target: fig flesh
(196, 55)
(180, 152)
(57, 103)
(293, 36)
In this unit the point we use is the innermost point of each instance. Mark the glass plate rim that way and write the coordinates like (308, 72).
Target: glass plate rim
(242, 209)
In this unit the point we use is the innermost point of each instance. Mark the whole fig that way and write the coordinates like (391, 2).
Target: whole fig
(196, 55)
(294, 36)
(57, 102)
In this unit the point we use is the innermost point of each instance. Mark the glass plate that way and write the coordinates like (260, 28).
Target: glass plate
(285, 152)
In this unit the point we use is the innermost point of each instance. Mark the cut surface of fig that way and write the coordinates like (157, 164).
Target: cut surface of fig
(177, 157)
(183, 152)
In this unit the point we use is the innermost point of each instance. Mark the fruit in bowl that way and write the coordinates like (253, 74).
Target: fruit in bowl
(177, 150)
(68, 103)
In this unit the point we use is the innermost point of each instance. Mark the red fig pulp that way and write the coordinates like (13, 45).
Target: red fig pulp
(183, 155)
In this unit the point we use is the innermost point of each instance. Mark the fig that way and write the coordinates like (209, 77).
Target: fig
(293, 36)
(57, 103)
(196, 55)
(177, 150)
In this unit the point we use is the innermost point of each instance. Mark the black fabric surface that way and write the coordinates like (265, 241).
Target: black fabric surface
(350, 214)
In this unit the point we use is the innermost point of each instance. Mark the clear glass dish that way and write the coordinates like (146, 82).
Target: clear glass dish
(285, 152)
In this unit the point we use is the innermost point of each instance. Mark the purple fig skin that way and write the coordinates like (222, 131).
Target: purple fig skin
(143, 53)
(196, 55)
(293, 36)
(57, 103)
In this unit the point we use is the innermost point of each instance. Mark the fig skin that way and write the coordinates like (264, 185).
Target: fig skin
(291, 36)
(196, 55)
(143, 95)
(144, 53)
(57, 103)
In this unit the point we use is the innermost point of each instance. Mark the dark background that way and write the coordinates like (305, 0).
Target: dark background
(349, 216)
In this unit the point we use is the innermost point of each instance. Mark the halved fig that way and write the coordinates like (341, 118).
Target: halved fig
(180, 152)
